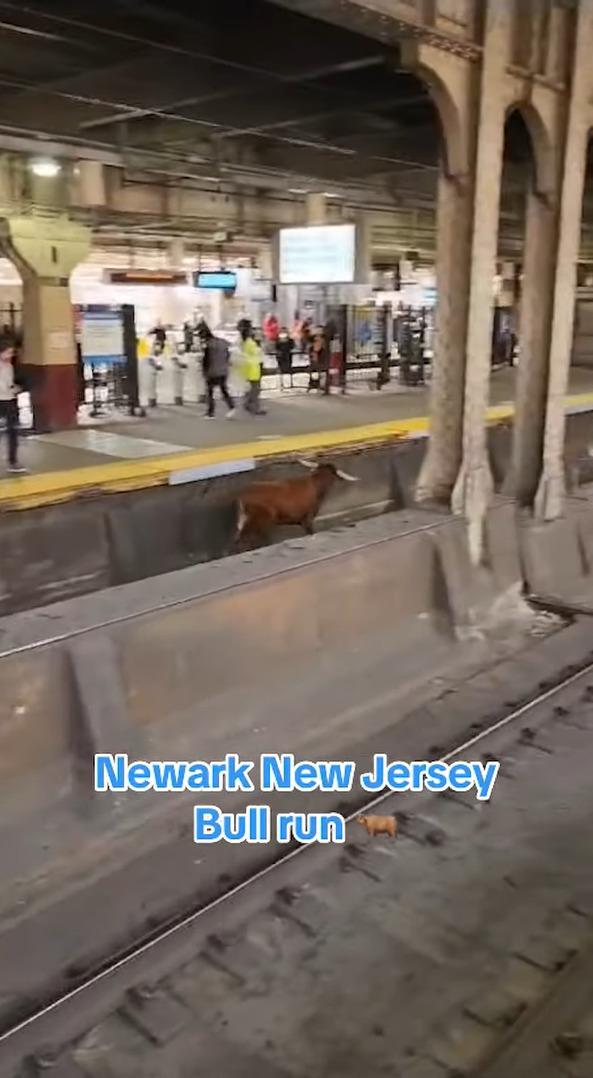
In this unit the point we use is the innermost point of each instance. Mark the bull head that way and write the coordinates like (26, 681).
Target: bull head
(340, 474)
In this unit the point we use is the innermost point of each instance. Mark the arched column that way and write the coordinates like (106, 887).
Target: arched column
(451, 80)
(46, 252)
(544, 118)
(474, 486)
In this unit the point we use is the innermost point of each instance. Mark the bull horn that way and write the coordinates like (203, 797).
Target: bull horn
(348, 478)
(306, 463)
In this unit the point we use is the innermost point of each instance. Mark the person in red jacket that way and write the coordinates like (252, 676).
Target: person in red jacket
(271, 328)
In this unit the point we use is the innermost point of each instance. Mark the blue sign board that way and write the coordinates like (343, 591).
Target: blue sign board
(223, 280)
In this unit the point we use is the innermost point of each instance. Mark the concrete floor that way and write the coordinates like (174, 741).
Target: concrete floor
(171, 430)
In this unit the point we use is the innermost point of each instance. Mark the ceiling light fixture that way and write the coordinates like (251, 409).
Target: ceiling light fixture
(45, 167)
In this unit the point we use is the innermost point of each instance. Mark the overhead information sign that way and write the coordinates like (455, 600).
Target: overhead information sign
(224, 280)
(320, 254)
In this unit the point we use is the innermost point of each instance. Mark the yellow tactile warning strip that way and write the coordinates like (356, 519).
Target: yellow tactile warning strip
(49, 488)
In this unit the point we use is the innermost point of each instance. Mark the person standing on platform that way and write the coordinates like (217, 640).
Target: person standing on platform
(11, 384)
(160, 335)
(284, 351)
(216, 366)
(316, 360)
(271, 329)
(251, 368)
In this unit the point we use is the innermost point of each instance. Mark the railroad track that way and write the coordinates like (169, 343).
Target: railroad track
(430, 957)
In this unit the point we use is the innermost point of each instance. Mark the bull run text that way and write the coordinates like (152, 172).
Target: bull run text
(281, 773)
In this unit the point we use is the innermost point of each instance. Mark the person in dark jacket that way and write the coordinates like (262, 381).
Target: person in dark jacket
(317, 360)
(160, 335)
(216, 366)
(11, 384)
(284, 351)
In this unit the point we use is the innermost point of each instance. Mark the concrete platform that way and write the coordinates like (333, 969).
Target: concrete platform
(131, 454)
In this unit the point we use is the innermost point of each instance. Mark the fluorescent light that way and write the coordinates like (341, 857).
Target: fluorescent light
(44, 166)
(330, 194)
(297, 191)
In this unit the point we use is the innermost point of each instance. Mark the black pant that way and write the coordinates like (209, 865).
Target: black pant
(251, 401)
(9, 411)
(211, 384)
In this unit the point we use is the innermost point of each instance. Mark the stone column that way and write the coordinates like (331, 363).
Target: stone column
(451, 80)
(364, 260)
(534, 336)
(443, 456)
(6, 182)
(264, 261)
(316, 209)
(550, 494)
(176, 253)
(474, 486)
(45, 254)
(91, 183)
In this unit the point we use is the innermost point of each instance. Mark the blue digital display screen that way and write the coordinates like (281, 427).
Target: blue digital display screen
(222, 279)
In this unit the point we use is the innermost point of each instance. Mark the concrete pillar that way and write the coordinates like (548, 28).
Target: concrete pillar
(91, 183)
(46, 253)
(454, 224)
(47, 190)
(474, 486)
(551, 489)
(264, 263)
(451, 80)
(364, 263)
(176, 253)
(535, 320)
(6, 184)
(316, 209)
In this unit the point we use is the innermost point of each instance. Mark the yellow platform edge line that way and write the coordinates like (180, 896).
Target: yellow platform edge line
(51, 488)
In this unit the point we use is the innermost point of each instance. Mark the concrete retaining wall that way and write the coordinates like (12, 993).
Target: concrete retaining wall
(557, 556)
(273, 652)
(77, 548)
(80, 547)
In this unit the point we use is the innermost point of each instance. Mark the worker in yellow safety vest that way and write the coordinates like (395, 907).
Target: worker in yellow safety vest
(143, 348)
(250, 366)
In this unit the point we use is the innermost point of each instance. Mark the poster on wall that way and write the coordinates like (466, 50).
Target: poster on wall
(102, 335)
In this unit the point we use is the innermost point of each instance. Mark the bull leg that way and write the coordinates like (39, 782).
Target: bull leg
(308, 525)
(252, 535)
(257, 530)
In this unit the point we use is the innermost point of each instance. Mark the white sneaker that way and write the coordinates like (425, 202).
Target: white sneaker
(230, 413)
(16, 469)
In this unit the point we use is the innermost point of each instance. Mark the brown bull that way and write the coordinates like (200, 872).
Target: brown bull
(379, 825)
(265, 506)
